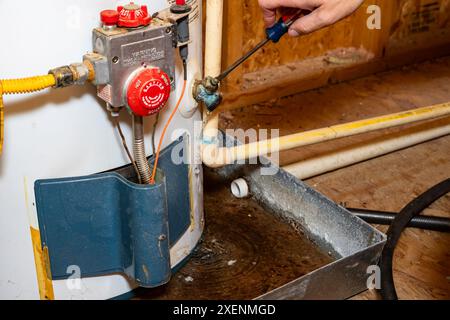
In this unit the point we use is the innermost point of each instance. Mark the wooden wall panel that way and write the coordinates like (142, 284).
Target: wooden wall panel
(412, 30)
(419, 24)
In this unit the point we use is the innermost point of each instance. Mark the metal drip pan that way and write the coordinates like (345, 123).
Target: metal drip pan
(285, 242)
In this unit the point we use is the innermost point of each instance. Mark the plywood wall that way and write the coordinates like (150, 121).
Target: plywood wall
(411, 30)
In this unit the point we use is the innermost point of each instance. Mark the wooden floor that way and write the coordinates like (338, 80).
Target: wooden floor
(422, 259)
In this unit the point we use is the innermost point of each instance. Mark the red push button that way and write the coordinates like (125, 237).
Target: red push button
(148, 92)
(109, 17)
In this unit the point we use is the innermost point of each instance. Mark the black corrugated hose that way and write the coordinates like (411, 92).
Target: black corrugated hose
(401, 221)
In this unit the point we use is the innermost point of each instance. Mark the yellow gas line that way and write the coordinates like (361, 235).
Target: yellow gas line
(2, 121)
(16, 86)
(214, 156)
(28, 85)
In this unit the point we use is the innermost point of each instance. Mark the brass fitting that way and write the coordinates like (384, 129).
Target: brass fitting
(80, 73)
(64, 76)
(76, 73)
(207, 91)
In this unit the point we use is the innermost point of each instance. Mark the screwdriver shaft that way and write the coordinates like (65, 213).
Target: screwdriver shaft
(224, 74)
(287, 25)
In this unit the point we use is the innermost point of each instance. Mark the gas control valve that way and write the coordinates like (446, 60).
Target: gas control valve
(134, 58)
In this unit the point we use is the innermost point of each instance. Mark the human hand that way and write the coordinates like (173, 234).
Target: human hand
(322, 13)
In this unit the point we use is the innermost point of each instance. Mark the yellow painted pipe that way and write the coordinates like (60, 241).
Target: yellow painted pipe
(337, 159)
(215, 157)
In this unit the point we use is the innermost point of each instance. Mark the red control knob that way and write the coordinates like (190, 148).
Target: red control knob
(133, 16)
(109, 17)
(148, 92)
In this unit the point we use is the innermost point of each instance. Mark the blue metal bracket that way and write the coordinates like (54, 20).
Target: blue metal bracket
(106, 224)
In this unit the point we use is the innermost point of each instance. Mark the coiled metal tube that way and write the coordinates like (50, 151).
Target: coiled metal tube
(139, 150)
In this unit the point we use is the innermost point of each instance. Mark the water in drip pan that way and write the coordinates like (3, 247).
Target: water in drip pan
(245, 252)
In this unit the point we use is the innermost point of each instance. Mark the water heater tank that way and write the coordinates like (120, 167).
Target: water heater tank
(68, 135)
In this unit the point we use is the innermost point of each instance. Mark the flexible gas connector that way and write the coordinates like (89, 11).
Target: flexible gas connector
(1, 118)
(25, 85)
(28, 85)
(139, 150)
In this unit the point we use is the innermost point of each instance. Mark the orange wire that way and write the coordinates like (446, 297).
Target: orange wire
(161, 140)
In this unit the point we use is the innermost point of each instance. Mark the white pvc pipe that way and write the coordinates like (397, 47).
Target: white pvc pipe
(213, 37)
(216, 157)
(381, 146)
(213, 59)
(240, 189)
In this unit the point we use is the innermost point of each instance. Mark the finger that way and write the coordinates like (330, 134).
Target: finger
(270, 7)
(314, 21)
(300, 4)
(270, 17)
(287, 11)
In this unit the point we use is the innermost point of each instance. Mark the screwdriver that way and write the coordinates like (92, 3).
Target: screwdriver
(207, 90)
(274, 34)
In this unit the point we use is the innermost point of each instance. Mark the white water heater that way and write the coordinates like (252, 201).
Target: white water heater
(65, 202)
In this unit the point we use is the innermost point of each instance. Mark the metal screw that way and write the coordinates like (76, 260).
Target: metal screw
(168, 30)
(115, 59)
(162, 237)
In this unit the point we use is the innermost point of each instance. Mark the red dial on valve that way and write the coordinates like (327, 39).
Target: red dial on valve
(133, 16)
(148, 92)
